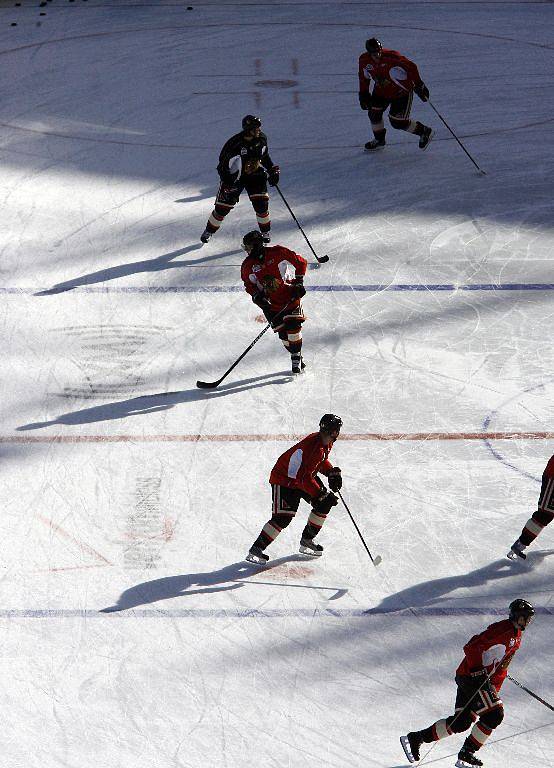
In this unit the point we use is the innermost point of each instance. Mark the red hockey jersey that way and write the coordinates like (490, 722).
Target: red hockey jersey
(492, 650)
(297, 467)
(393, 74)
(274, 275)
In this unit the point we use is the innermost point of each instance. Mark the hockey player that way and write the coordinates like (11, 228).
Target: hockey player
(274, 278)
(244, 163)
(294, 477)
(540, 518)
(395, 79)
(479, 678)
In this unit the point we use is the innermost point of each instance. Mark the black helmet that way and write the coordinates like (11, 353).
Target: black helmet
(251, 121)
(253, 244)
(330, 423)
(519, 608)
(373, 45)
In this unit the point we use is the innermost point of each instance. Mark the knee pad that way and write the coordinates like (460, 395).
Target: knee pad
(543, 517)
(281, 519)
(293, 325)
(400, 123)
(324, 505)
(493, 717)
(459, 723)
(260, 203)
(223, 210)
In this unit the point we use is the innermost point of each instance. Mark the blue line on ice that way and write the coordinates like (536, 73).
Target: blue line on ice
(323, 288)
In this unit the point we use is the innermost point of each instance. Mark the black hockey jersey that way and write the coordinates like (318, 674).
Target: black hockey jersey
(238, 153)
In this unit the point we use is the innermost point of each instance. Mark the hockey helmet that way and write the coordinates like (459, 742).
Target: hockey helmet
(251, 122)
(330, 423)
(373, 45)
(521, 609)
(253, 244)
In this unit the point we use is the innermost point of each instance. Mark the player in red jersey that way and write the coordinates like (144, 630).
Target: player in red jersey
(244, 164)
(395, 79)
(479, 678)
(540, 518)
(294, 477)
(274, 278)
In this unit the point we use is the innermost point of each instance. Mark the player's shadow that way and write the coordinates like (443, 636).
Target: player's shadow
(166, 261)
(223, 580)
(163, 401)
(431, 593)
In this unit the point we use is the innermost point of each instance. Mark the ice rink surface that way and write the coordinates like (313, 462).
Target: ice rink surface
(133, 632)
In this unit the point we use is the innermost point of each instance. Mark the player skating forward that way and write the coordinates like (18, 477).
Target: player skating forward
(244, 163)
(479, 678)
(395, 80)
(540, 518)
(294, 477)
(274, 278)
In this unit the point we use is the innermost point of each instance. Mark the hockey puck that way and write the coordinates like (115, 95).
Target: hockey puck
(13, 24)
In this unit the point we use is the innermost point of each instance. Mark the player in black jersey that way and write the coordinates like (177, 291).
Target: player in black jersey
(244, 163)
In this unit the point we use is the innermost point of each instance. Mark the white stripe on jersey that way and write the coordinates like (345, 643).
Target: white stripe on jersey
(295, 463)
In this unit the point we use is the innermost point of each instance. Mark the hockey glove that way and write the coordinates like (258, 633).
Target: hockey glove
(273, 175)
(297, 290)
(365, 100)
(261, 301)
(422, 91)
(335, 479)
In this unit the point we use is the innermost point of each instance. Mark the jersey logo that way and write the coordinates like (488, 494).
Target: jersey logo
(270, 283)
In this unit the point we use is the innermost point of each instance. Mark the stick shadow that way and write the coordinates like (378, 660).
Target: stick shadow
(124, 270)
(163, 401)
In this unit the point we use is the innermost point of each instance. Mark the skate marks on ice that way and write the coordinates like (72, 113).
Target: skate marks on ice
(230, 577)
(536, 402)
(162, 401)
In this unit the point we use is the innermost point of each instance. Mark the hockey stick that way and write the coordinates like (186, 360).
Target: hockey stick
(320, 259)
(436, 111)
(213, 384)
(534, 695)
(375, 560)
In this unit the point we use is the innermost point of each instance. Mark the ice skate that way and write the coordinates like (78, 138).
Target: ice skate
(516, 550)
(205, 236)
(425, 138)
(257, 556)
(411, 744)
(266, 237)
(298, 364)
(374, 144)
(309, 547)
(467, 759)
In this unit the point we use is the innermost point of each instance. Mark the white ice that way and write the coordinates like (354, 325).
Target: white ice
(112, 115)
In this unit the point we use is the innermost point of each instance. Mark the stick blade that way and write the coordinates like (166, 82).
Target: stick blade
(207, 384)
(377, 560)
(323, 259)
